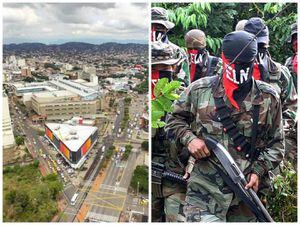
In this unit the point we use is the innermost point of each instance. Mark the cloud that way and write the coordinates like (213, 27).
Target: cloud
(50, 22)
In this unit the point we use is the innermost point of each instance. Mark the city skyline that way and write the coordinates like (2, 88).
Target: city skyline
(58, 23)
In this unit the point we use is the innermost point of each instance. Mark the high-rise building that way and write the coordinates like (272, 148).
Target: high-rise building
(8, 136)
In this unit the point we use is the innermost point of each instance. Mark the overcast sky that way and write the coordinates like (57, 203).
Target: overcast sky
(62, 22)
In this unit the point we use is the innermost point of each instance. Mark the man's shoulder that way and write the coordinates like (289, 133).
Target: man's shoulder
(205, 82)
(267, 88)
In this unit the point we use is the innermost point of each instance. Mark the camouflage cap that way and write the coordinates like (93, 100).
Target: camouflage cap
(294, 30)
(240, 25)
(160, 16)
(195, 39)
(163, 53)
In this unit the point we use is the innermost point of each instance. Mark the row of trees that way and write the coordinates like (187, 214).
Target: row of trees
(219, 19)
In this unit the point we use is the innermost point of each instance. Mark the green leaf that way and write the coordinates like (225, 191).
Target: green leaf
(156, 106)
(159, 86)
(166, 103)
(172, 96)
(161, 124)
(172, 86)
(156, 115)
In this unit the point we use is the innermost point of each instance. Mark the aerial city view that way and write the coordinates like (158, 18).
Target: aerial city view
(75, 112)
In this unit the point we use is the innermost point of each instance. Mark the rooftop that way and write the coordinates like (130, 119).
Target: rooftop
(72, 136)
(77, 88)
(53, 96)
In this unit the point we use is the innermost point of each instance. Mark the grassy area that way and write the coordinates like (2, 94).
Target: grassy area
(29, 197)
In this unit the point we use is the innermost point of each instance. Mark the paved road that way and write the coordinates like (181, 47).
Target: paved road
(107, 203)
(70, 211)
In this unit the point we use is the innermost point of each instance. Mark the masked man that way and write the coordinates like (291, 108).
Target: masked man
(280, 78)
(160, 26)
(292, 62)
(199, 113)
(167, 196)
(201, 63)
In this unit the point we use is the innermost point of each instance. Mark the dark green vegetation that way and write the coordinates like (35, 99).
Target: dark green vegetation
(51, 65)
(125, 120)
(283, 201)
(127, 152)
(145, 145)
(20, 140)
(110, 152)
(140, 179)
(29, 197)
(218, 19)
(142, 88)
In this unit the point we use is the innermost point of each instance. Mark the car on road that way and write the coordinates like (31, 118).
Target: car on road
(70, 171)
(74, 198)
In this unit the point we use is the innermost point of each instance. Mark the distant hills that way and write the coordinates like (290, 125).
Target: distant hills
(109, 47)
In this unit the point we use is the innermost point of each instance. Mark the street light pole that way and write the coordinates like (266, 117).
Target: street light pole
(138, 185)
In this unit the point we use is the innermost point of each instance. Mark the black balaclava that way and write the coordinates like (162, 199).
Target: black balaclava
(237, 75)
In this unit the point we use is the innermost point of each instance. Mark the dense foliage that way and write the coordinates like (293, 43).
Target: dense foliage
(218, 19)
(140, 179)
(20, 140)
(127, 152)
(283, 200)
(29, 197)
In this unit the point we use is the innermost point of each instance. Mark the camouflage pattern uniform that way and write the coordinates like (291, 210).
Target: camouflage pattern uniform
(208, 197)
(289, 65)
(281, 80)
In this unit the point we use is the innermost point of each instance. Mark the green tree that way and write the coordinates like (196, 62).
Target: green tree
(36, 163)
(140, 179)
(145, 145)
(219, 19)
(20, 140)
(127, 152)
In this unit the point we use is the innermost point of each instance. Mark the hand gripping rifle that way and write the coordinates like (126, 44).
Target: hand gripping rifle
(236, 180)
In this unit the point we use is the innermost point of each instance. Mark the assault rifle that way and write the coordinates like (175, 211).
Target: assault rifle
(236, 180)
(158, 174)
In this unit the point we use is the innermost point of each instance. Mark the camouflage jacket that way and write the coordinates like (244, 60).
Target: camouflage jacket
(281, 79)
(289, 65)
(183, 72)
(192, 117)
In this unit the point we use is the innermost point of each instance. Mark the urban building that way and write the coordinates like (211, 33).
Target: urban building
(21, 89)
(72, 142)
(26, 72)
(83, 91)
(8, 136)
(62, 105)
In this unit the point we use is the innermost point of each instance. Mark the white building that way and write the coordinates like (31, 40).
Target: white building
(73, 143)
(8, 136)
